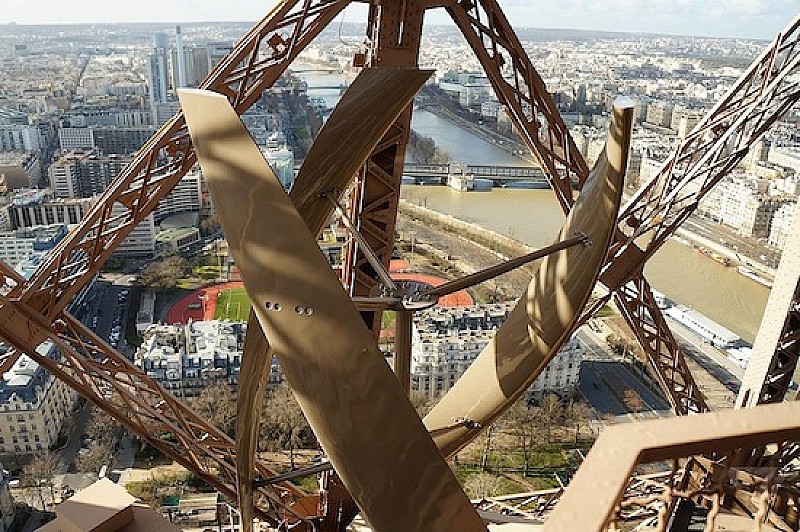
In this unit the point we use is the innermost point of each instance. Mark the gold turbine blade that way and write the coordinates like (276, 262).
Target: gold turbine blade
(363, 115)
(371, 433)
(546, 314)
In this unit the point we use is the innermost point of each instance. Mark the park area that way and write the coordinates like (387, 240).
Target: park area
(229, 300)
(221, 301)
(232, 304)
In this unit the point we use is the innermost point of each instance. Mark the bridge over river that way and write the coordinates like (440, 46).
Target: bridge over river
(471, 176)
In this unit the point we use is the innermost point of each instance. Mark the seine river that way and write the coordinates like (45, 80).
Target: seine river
(534, 217)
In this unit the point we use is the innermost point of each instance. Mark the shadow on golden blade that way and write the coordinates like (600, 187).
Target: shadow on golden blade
(546, 314)
(366, 111)
(366, 425)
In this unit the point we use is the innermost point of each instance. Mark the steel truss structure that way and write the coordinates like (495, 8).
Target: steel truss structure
(33, 311)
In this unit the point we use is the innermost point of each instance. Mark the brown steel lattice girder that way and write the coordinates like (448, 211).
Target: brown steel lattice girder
(34, 310)
(533, 112)
(253, 65)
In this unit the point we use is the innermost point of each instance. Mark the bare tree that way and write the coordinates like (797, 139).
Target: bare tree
(549, 413)
(209, 225)
(520, 419)
(577, 414)
(99, 455)
(487, 448)
(632, 400)
(284, 425)
(165, 273)
(217, 405)
(39, 473)
(422, 403)
(103, 429)
(482, 485)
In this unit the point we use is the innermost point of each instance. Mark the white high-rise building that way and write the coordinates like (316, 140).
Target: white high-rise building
(181, 58)
(281, 160)
(158, 71)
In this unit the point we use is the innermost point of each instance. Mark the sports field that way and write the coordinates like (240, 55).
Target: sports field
(232, 304)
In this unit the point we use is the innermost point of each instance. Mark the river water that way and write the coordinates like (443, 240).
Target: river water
(534, 217)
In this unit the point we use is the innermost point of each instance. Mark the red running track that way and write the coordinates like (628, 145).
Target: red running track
(205, 299)
(181, 313)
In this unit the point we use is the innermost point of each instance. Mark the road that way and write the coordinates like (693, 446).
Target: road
(747, 250)
(604, 378)
(711, 359)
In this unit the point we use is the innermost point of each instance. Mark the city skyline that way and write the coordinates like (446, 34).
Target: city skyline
(720, 18)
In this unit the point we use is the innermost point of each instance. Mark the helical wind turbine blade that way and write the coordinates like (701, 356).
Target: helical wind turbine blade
(365, 112)
(545, 315)
(350, 397)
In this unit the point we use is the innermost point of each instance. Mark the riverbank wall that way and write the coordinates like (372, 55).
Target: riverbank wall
(686, 237)
(505, 247)
(502, 142)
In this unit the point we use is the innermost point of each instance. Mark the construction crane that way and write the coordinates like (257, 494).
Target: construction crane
(35, 310)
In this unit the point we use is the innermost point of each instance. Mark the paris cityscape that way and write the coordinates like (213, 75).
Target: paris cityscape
(79, 101)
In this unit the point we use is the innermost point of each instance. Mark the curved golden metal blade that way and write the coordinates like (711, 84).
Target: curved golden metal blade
(253, 377)
(546, 314)
(349, 395)
(363, 115)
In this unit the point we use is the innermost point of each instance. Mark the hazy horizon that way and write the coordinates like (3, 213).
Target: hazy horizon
(754, 19)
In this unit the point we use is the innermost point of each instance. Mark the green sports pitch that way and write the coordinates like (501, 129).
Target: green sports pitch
(232, 305)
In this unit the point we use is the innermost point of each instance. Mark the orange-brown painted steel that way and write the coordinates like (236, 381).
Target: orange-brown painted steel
(756, 101)
(596, 489)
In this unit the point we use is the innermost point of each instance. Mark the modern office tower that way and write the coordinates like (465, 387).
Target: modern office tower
(281, 159)
(82, 174)
(196, 65)
(181, 58)
(158, 70)
(16, 137)
(216, 52)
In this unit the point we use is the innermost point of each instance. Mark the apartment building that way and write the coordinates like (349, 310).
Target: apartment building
(33, 405)
(185, 197)
(17, 137)
(16, 246)
(782, 225)
(187, 358)
(447, 340)
(105, 139)
(29, 208)
(82, 174)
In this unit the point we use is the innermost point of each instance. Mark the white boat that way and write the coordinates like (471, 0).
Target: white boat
(750, 274)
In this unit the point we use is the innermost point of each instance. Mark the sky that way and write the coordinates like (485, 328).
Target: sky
(715, 18)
